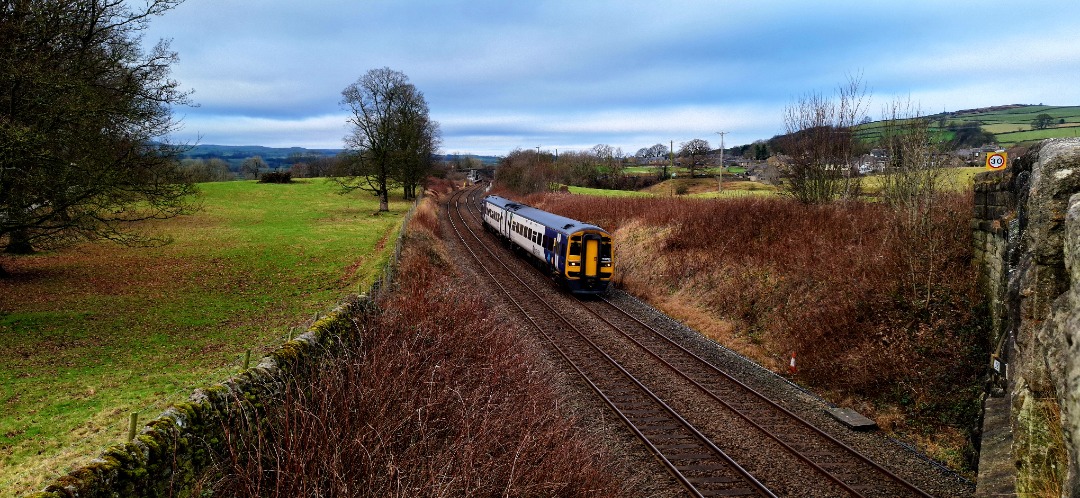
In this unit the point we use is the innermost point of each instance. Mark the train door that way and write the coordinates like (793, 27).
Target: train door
(590, 257)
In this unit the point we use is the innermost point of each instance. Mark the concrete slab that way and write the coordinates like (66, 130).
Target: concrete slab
(852, 419)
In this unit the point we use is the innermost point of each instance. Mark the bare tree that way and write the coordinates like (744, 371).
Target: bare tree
(694, 150)
(821, 146)
(251, 167)
(85, 115)
(911, 183)
(392, 139)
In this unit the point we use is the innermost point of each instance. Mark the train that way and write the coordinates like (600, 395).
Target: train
(577, 255)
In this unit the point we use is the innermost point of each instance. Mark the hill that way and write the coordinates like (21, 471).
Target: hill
(282, 157)
(1010, 124)
(275, 157)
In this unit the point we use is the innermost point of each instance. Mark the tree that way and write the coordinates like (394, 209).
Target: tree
(85, 115)
(911, 184)
(693, 150)
(251, 167)
(658, 151)
(1042, 121)
(392, 139)
(820, 144)
(203, 170)
(970, 134)
(416, 145)
(759, 150)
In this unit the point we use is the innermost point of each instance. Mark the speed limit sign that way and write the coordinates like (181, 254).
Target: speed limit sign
(997, 161)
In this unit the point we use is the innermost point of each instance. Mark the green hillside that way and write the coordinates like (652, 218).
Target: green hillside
(1010, 124)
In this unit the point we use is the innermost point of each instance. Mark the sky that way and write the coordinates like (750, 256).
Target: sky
(567, 75)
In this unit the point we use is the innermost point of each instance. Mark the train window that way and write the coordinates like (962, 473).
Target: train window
(605, 249)
(575, 248)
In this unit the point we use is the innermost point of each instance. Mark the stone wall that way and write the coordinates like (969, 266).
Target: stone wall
(174, 452)
(996, 239)
(1027, 236)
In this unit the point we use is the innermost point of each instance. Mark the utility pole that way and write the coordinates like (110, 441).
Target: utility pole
(720, 179)
(671, 160)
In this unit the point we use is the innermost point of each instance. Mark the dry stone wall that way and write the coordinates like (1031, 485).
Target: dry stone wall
(174, 452)
(1027, 236)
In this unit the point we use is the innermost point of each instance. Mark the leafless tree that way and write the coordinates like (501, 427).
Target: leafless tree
(911, 183)
(694, 151)
(392, 139)
(251, 167)
(821, 146)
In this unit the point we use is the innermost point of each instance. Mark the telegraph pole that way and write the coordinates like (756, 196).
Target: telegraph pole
(720, 179)
(671, 160)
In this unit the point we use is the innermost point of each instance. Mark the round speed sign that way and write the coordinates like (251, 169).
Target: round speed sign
(996, 161)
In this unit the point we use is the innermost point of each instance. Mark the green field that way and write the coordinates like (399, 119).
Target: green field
(951, 179)
(605, 192)
(1010, 124)
(97, 331)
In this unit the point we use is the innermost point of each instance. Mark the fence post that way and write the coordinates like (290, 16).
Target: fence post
(133, 422)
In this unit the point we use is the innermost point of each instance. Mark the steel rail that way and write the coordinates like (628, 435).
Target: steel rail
(669, 465)
(761, 397)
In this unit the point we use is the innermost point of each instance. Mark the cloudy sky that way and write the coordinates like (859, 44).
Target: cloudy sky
(567, 75)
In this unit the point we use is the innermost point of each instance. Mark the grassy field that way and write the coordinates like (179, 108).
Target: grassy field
(1010, 124)
(95, 332)
(606, 192)
(952, 179)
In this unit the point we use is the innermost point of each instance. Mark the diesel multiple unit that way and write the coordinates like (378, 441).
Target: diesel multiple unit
(575, 254)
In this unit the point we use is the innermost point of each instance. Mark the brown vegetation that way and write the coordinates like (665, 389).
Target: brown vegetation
(441, 398)
(875, 321)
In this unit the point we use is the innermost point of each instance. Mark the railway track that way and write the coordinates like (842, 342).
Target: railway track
(648, 374)
(849, 469)
(692, 459)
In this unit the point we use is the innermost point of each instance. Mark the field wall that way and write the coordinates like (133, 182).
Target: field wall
(172, 455)
(1027, 243)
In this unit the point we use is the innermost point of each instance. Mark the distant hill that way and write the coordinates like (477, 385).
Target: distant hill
(1010, 124)
(275, 157)
(279, 157)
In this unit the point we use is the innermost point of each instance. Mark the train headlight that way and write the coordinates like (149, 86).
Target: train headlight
(574, 263)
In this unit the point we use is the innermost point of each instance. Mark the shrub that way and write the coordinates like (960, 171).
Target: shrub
(850, 287)
(276, 177)
(441, 398)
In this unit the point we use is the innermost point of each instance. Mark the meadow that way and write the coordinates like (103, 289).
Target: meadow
(97, 331)
(1011, 125)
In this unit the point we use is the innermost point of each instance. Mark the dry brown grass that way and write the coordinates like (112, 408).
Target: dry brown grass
(441, 398)
(898, 330)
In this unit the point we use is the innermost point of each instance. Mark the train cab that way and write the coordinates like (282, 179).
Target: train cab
(578, 255)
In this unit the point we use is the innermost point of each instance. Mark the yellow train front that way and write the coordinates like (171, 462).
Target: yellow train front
(577, 255)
